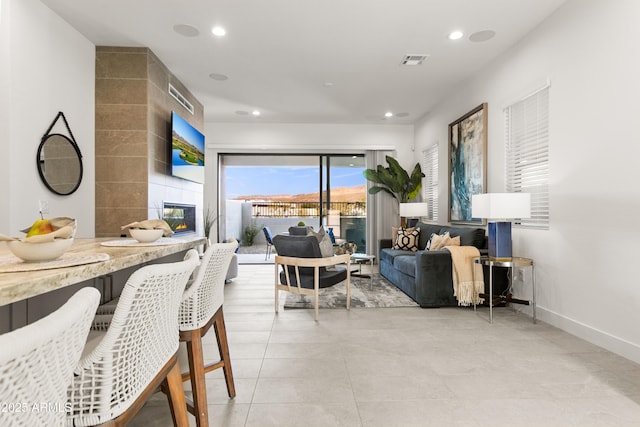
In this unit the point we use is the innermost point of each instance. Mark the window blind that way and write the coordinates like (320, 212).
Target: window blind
(527, 154)
(430, 181)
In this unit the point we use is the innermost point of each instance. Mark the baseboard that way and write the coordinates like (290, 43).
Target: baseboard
(600, 338)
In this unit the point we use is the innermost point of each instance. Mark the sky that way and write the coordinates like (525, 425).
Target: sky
(188, 132)
(270, 180)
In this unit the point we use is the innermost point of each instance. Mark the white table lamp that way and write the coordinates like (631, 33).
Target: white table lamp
(500, 209)
(412, 210)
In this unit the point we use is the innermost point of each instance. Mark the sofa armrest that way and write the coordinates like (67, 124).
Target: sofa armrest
(434, 282)
(385, 243)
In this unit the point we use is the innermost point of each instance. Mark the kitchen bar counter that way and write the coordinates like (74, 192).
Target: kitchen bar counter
(19, 286)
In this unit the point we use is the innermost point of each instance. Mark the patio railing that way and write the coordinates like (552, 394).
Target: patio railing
(305, 209)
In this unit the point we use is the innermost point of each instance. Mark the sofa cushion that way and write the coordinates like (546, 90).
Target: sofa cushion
(468, 236)
(439, 241)
(407, 240)
(426, 230)
(389, 255)
(405, 264)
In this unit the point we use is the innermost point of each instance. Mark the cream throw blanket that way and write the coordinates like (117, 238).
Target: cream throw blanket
(464, 287)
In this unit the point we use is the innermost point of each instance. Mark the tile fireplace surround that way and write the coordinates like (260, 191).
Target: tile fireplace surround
(133, 109)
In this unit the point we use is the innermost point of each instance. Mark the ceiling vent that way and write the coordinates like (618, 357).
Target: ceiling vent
(180, 98)
(414, 59)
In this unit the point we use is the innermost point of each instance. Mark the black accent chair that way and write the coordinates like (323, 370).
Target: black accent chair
(304, 269)
(269, 238)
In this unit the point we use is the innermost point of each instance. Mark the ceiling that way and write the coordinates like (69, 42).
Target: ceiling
(312, 61)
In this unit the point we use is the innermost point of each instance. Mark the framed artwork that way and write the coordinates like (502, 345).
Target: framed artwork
(467, 163)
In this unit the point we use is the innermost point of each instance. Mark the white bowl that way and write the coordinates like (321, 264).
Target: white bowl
(37, 252)
(145, 236)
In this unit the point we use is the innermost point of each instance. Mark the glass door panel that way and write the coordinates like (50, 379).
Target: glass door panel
(346, 199)
(280, 191)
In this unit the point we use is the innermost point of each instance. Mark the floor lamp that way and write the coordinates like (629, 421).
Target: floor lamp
(500, 209)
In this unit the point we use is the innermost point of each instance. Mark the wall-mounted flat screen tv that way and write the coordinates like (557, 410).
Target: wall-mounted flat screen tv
(187, 150)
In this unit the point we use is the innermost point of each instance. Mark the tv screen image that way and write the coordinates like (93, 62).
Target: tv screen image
(187, 150)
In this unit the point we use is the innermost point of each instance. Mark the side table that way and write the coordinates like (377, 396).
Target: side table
(507, 297)
(363, 259)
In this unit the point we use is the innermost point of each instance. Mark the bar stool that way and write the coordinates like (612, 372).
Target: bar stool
(134, 350)
(200, 309)
(37, 362)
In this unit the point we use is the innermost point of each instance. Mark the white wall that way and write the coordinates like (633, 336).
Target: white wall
(5, 129)
(300, 138)
(46, 67)
(587, 278)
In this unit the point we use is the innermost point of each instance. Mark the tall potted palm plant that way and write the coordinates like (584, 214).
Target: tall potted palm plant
(395, 180)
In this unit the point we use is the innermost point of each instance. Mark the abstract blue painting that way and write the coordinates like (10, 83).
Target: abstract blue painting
(467, 163)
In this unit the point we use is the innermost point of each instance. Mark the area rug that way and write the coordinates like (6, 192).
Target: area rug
(380, 293)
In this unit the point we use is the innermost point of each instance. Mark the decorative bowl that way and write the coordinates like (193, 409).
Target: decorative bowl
(145, 236)
(38, 252)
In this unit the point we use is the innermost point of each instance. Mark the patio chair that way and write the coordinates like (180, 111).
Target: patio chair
(304, 269)
(269, 238)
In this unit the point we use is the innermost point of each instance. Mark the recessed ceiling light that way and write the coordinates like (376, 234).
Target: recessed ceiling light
(482, 36)
(256, 113)
(186, 30)
(351, 165)
(219, 77)
(388, 114)
(327, 84)
(218, 31)
(455, 35)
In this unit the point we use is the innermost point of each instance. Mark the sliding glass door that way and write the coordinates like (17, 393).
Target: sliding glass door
(279, 191)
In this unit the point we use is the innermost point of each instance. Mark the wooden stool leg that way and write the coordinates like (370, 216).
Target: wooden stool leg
(175, 393)
(223, 347)
(198, 384)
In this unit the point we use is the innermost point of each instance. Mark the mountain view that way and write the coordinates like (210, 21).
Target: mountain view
(341, 194)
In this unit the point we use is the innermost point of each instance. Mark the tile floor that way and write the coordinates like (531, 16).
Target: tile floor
(405, 367)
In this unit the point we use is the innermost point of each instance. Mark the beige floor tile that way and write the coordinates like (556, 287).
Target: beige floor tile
(299, 390)
(404, 367)
(303, 414)
(303, 368)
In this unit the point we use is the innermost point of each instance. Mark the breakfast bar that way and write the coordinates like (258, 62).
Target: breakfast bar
(19, 286)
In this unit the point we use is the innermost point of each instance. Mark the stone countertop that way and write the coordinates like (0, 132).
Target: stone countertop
(18, 286)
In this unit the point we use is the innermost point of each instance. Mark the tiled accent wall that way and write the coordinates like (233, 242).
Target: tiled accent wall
(133, 110)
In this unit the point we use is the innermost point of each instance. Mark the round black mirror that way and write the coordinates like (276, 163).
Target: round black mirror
(59, 164)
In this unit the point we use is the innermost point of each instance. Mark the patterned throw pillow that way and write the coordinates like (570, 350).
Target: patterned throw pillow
(439, 241)
(345, 248)
(394, 233)
(407, 240)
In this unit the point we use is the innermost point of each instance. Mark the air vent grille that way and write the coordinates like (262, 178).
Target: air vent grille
(414, 59)
(180, 98)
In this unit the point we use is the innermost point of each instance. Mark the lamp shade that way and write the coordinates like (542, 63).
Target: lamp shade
(412, 210)
(501, 205)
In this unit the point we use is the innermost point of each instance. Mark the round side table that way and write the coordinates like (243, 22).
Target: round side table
(511, 264)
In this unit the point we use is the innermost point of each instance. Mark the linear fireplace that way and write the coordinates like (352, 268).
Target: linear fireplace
(181, 217)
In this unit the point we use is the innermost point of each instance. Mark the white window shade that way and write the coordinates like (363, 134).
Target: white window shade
(527, 154)
(430, 181)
